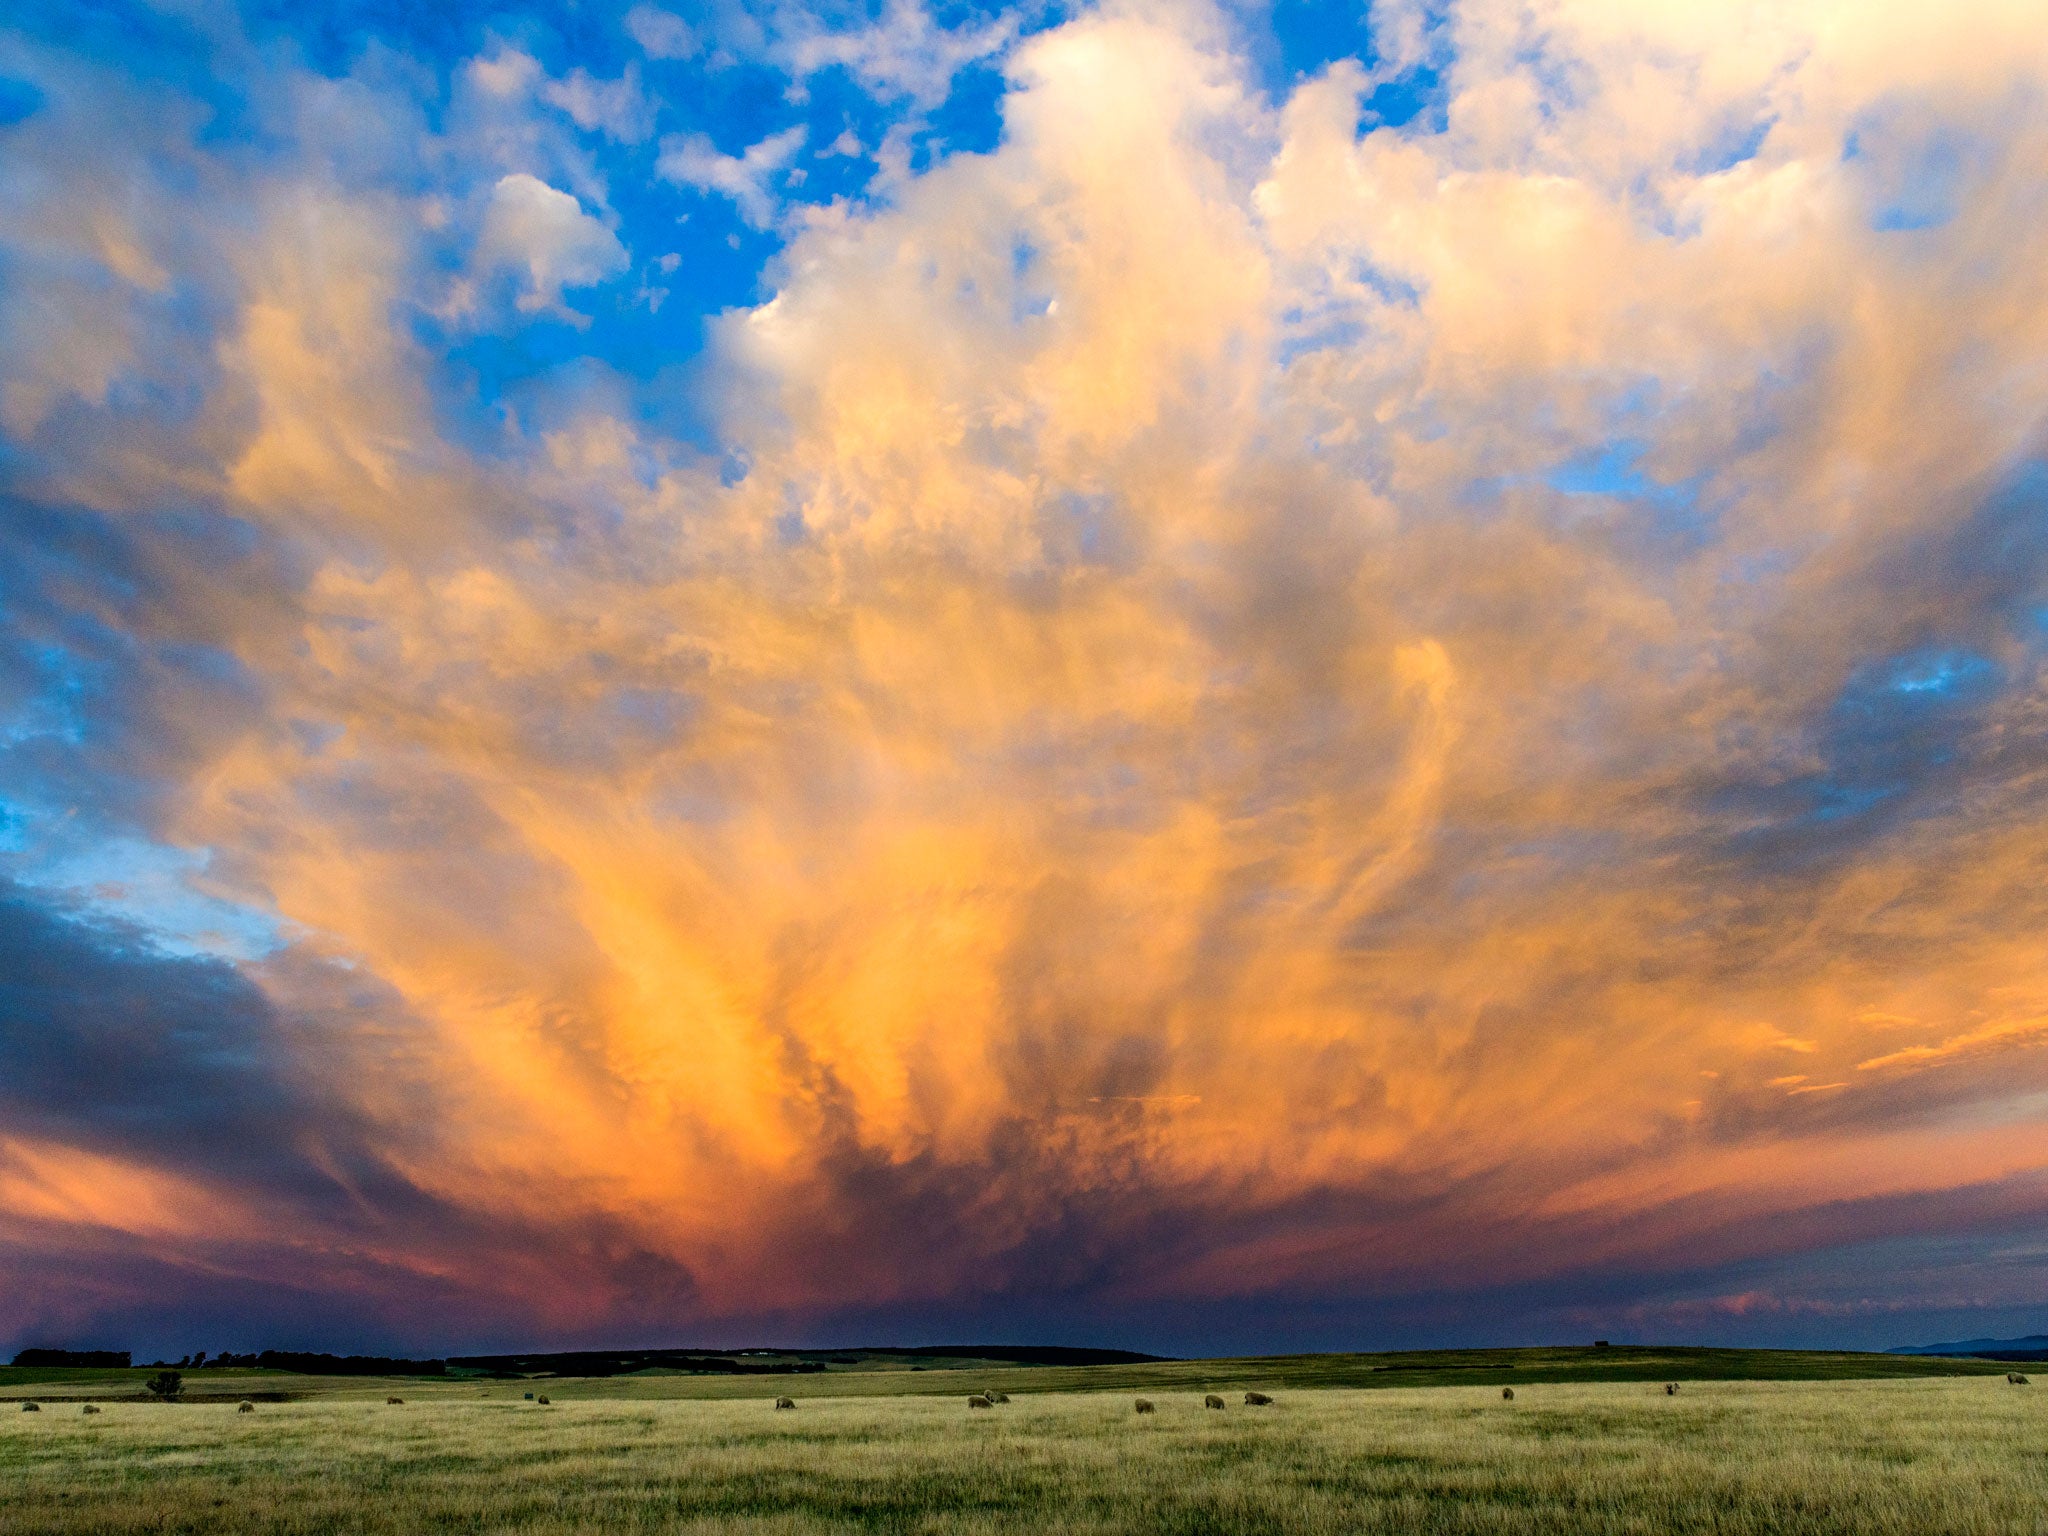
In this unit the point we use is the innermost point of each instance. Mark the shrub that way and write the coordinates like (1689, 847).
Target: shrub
(165, 1386)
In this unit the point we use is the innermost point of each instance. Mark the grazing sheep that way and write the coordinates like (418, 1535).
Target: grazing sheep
(1257, 1400)
(90, 1408)
(1212, 1401)
(2016, 1378)
(31, 1407)
(543, 1400)
(1507, 1394)
(784, 1402)
(978, 1401)
(996, 1397)
(397, 1402)
(1144, 1405)
(1671, 1389)
(245, 1406)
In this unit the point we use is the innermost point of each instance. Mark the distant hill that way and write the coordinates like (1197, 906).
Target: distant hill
(775, 1362)
(2033, 1347)
(1025, 1354)
(306, 1364)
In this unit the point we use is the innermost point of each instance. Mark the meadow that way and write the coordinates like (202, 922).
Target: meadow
(1949, 1448)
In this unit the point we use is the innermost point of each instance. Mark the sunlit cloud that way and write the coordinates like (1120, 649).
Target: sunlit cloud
(1322, 703)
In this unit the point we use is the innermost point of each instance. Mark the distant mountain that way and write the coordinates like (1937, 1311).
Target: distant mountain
(2033, 1347)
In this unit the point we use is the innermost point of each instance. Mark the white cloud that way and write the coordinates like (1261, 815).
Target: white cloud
(533, 228)
(617, 107)
(506, 74)
(694, 161)
(905, 54)
(661, 34)
(1405, 33)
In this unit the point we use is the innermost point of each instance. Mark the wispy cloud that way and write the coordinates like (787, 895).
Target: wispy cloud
(748, 178)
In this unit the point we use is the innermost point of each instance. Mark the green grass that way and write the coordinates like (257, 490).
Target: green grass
(1465, 1367)
(1932, 1452)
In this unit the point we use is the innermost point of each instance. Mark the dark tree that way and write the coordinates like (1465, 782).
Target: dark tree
(100, 1359)
(165, 1386)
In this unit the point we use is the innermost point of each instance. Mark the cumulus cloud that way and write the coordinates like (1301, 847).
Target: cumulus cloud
(535, 229)
(1258, 709)
(692, 160)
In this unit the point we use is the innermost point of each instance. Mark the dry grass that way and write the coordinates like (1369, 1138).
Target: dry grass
(1928, 1456)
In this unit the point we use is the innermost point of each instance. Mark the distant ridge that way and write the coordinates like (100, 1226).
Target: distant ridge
(1023, 1354)
(2033, 1347)
(777, 1362)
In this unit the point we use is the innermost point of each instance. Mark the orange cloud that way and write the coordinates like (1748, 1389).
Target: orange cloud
(1158, 731)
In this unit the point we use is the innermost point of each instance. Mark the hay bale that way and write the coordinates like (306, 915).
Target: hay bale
(1212, 1401)
(1144, 1405)
(784, 1402)
(1507, 1394)
(245, 1406)
(31, 1407)
(978, 1401)
(90, 1408)
(1257, 1400)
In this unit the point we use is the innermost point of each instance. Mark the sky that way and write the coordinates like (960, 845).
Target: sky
(1179, 674)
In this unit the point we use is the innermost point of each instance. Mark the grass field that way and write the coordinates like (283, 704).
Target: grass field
(1950, 1448)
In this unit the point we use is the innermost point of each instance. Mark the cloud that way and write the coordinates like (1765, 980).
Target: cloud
(1231, 713)
(661, 34)
(532, 227)
(617, 107)
(905, 53)
(692, 160)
